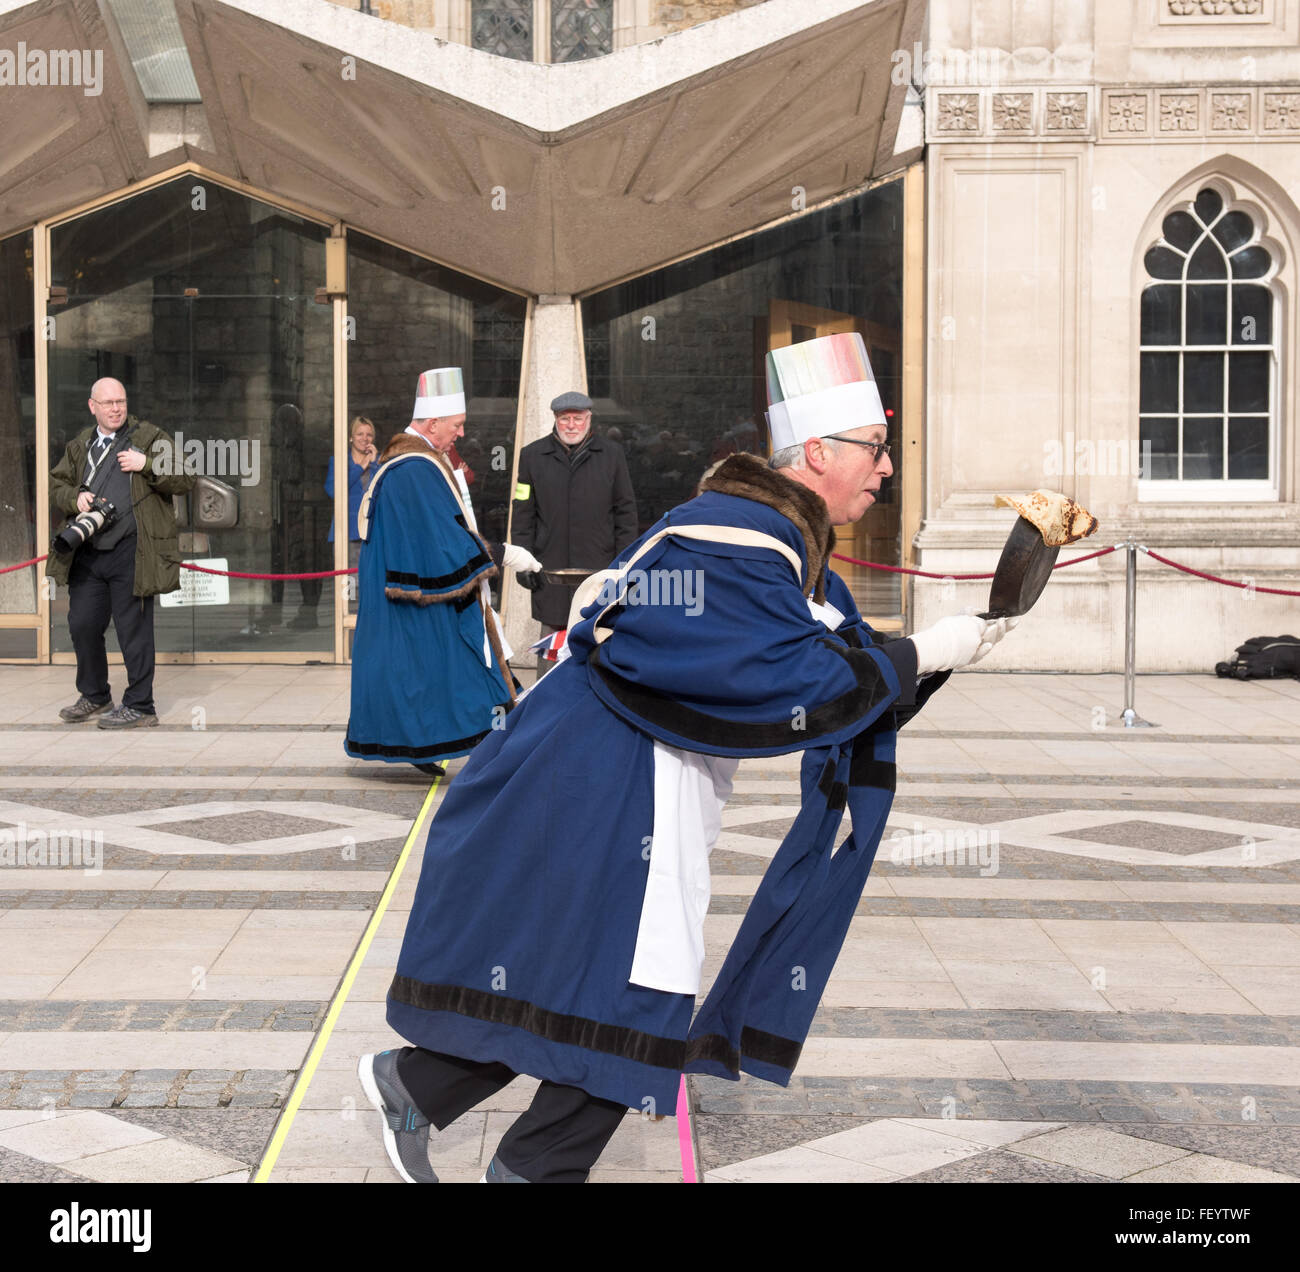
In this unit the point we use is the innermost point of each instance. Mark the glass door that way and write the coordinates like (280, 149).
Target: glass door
(201, 301)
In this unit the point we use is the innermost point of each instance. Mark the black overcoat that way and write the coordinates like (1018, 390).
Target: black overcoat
(572, 512)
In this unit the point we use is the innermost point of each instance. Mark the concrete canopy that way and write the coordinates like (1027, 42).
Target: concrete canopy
(544, 179)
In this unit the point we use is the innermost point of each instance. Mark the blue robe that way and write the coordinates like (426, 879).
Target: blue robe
(525, 919)
(422, 690)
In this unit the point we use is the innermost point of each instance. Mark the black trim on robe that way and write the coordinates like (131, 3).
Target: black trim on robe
(707, 730)
(754, 1044)
(578, 1031)
(393, 577)
(418, 752)
(573, 1031)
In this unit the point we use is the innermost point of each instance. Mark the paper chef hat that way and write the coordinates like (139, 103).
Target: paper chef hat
(819, 388)
(440, 392)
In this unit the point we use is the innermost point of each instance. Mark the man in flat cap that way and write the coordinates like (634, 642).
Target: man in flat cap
(574, 507)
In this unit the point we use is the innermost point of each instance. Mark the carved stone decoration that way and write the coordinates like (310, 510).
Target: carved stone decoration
(1013, 112)
(1282, 112)
(1228, 9)
(958, 112)
(1230, 112)
(1180, 112)
(1066, 112)
(1127, 113)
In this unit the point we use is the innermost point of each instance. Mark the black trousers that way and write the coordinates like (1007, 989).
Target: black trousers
(557, 1141)
(99, 589)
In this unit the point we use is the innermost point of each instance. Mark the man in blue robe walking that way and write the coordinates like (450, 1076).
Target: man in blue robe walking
(557, 928)
(429, 673)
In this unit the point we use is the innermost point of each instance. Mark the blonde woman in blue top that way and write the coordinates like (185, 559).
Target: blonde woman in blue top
(363, 462)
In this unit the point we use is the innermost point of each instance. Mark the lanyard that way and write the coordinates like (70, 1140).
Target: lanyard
(95, 461)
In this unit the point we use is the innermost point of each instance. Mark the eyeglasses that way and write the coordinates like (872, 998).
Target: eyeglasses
(880, 448)
(116, 402)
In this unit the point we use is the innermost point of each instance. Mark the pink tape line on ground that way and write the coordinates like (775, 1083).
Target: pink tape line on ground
(684, 1135)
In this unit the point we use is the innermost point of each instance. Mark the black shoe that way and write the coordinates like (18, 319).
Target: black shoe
(406, 1129)
(128, 718)
(83, 709)
(433, 770)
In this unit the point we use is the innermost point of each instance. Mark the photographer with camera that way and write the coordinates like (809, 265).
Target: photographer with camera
(119, 550)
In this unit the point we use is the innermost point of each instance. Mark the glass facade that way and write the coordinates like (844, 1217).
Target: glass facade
(201, 301)
(18, 590)
(409, 315)
(675, 359)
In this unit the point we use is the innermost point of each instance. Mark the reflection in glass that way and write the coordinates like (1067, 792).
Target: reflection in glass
(1159, 388)
(1207, 261)
(1248, 381)
(1248, 448)
(1202, 448)
(1162, 319)
(676, 358)
(1209, 203)
(1252, 315)
(1207, 315)
(411, 315)
(1181, 230)
(17, 430)
(1159, 447)
(1202, 382)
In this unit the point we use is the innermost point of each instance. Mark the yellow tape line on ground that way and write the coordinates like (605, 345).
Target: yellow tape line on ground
(263, 1173)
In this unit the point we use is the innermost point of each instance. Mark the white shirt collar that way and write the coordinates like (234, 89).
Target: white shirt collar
(415, 432)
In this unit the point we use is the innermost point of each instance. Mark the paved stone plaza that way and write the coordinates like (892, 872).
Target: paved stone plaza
(1077, 958)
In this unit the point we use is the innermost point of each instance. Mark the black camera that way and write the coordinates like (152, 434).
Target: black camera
(101, 513)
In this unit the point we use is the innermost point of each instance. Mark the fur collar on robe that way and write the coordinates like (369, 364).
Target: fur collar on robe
(749, 477)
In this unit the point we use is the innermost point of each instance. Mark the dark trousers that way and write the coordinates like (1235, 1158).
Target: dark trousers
(99, 588)
(556, 1141)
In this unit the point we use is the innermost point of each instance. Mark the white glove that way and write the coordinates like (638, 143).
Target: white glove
(520, 559)
(957, 641)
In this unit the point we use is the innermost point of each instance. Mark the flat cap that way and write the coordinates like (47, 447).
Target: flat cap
(571, 402)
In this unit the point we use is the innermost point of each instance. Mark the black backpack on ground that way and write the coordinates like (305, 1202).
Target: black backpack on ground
(1263, 657)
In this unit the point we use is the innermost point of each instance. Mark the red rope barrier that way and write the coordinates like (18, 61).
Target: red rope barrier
(235, 574)
(870, 565)
(22, 565)
(1214, 578)
(927, 574)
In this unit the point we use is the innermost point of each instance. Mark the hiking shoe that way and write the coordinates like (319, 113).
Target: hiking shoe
(128, 718)
(83, 709)
(406, 1129)
(496, 1173)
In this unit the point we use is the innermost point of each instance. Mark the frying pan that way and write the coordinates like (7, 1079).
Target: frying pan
(567, 577)
(1022, 573)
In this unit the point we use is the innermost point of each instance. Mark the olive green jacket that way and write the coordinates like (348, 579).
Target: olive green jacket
(157, 545)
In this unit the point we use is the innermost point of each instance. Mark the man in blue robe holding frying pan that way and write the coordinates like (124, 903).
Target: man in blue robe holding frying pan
(557, 929)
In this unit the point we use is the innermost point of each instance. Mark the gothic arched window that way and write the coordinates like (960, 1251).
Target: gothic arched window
(1208, 385)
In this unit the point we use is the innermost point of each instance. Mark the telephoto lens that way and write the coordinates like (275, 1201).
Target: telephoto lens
(101, 513)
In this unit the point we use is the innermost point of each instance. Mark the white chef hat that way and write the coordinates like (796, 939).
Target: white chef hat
(440, 392)
(821, 387)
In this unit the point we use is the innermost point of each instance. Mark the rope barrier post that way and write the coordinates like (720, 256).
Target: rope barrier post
(1130, 716)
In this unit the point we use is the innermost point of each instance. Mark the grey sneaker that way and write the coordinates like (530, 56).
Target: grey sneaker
(406, 1129)
(497, 1173)
(128, 718)
(83, 709)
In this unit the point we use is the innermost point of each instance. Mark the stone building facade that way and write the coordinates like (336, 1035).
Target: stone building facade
(1066, 228)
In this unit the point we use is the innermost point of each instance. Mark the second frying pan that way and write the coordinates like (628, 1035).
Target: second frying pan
(1022, 573)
